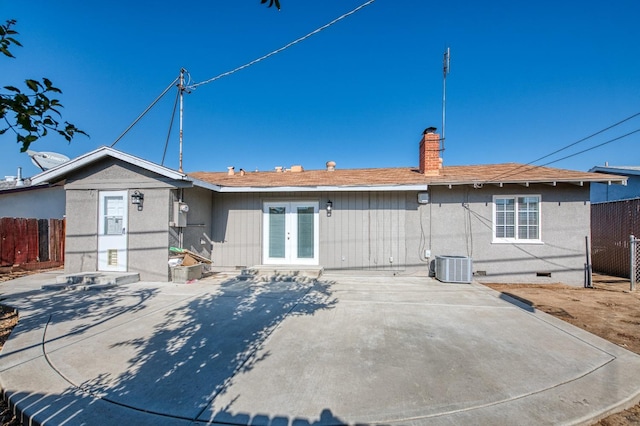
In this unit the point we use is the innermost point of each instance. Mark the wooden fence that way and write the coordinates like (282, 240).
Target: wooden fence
(31, 243)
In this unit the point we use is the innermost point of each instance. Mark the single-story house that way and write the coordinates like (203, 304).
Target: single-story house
(601, 192)
(516, 223)
(19, 198)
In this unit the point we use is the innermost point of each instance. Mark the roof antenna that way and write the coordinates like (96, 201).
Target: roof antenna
(446, 62)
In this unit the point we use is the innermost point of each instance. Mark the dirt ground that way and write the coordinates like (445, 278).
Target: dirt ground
(609, 310)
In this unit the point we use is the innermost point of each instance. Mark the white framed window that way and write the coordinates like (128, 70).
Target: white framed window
(516, 219)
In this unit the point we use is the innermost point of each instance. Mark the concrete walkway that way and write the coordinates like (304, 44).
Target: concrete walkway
(342, 350)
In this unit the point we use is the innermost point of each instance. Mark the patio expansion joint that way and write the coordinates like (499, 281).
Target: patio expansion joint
(505, 400)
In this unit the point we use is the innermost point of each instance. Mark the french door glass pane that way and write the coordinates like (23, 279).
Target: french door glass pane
(305, 232)
(277, 236)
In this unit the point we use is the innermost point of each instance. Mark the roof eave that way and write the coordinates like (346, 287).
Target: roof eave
(527, 182)
(59, 172)
(615, 170)
(325, 188)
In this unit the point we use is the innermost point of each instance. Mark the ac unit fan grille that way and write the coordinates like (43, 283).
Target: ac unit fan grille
(454, 269)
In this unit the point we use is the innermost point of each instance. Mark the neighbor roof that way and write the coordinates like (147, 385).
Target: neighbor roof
(400, 178)
(622, 170)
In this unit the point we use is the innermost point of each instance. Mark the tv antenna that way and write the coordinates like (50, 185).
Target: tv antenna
(446, 63)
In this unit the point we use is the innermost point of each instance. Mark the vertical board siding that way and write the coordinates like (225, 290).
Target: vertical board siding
(236, 230)
(20, 241)
(31, 242)
(8, 249)
(43, 240)
(364, 231)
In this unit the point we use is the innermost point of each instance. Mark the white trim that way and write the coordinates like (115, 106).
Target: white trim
(515, 240)
(291, 229)
(98, 154)
(113, 242)
(322, 188)
(205, 185)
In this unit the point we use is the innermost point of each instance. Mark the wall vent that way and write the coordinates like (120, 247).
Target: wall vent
(454, 269)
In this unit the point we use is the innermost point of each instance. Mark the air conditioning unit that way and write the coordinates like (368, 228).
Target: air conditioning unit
(454, 269)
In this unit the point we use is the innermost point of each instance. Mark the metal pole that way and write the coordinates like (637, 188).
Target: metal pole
(588, 279)
(445, 71)
(181, 89)
(632, 272)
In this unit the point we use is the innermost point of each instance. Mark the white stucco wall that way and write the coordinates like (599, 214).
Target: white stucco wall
(37, 202)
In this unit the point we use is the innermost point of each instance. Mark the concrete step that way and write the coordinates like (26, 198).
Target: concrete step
(281, 272)
(92, 280)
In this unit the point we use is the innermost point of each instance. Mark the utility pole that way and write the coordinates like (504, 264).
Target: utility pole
(181, 89)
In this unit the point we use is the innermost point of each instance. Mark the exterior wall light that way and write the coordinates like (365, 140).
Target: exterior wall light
(137, 198)
(329, 208)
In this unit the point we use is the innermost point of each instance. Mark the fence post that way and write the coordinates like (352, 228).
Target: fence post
(632, 272)
(588, 271)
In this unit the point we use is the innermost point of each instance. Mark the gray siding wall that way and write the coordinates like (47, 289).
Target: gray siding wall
(237, 229)
(196, 236)
(148, 243)
(459, 222)
(81, 240)
(391, 231)
(41, 203)
(148, 234)
(365, 231)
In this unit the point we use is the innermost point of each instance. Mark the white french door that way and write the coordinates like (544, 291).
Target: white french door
(290, 233)
(112, 231)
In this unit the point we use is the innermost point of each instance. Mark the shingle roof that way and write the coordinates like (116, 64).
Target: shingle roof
(6, 185)
(449, 175)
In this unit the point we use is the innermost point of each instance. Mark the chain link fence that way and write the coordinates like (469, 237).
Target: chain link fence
(612, 224)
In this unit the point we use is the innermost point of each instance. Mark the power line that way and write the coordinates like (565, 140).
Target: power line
(262, 58)
(173, 117)
(516, 169)
(593, 147)
(144, 112)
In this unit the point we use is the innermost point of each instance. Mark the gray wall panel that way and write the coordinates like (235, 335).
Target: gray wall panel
(366, 230)
(198, 230)
(148, 236)
(81, 241)
(115, 174)
(461, 225)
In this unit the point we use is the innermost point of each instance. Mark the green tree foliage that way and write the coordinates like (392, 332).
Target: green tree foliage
(30, 113)
(271, 3)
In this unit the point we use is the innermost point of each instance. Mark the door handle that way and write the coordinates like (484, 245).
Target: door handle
(123, 230)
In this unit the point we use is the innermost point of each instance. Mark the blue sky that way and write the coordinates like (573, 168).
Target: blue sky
(527, 78)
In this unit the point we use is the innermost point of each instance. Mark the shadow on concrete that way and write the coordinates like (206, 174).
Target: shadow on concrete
(37, 307)
(192, 354)
(520, 302)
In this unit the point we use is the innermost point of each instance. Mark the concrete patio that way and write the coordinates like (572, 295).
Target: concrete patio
(340, 350)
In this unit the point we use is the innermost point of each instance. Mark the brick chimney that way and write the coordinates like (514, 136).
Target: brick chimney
(430, 161)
